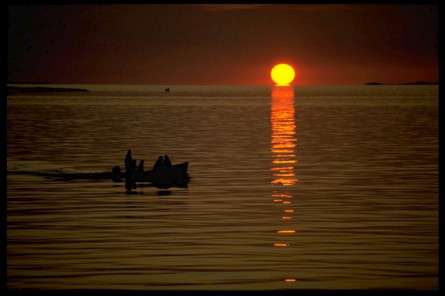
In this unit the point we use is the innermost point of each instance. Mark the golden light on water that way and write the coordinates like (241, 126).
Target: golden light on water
(282, 74)
(283, 161)
(282, 181)
(284, 175)
(281, 168)
(286, 231)
(283, 141)
(283, 151)
(280, 150)
(281, 195)
(281, 245)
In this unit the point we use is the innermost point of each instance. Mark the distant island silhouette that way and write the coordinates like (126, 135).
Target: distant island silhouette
(403, 83)
(41, 89)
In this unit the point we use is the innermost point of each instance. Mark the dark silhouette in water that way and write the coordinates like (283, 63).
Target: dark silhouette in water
(130, 176)
(128, 159)
(163, 175)
(166, 175)
(167, 89)
(133, 173)
(164, 192)
(128, 180)
(116, 174)
(39, 89)
(159, 163)
(167, 161)
(140, 170)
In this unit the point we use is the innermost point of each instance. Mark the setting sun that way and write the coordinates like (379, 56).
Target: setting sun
(282, 74)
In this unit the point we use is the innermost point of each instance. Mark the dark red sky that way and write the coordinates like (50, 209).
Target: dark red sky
(221, 44)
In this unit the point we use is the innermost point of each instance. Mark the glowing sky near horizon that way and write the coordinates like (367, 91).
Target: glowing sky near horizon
(221, 44)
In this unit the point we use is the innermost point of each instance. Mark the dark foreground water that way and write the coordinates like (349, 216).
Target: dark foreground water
(334, 187)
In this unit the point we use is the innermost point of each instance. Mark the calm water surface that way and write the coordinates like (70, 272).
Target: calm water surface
(332, 187)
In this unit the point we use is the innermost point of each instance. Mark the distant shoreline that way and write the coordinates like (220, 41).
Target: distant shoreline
(41, 89)
(403, 83)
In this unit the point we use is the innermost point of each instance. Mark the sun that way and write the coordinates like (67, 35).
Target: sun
(282, 74)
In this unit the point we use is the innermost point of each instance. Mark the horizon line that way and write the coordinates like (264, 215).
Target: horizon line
(223, 84)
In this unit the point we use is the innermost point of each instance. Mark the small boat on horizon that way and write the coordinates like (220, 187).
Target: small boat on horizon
(162, 176)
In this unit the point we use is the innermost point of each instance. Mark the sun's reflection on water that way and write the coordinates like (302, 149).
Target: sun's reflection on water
(283, 142)
(283, 147)
(281, 245)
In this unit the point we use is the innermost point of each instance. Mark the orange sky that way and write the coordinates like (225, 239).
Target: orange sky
(221, 44)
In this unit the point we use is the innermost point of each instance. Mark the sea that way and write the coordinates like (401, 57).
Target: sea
(304, 187)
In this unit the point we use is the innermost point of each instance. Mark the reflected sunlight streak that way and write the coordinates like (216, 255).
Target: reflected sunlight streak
(281, 245)
(286, 231)
(283, 141)
(283, 145)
